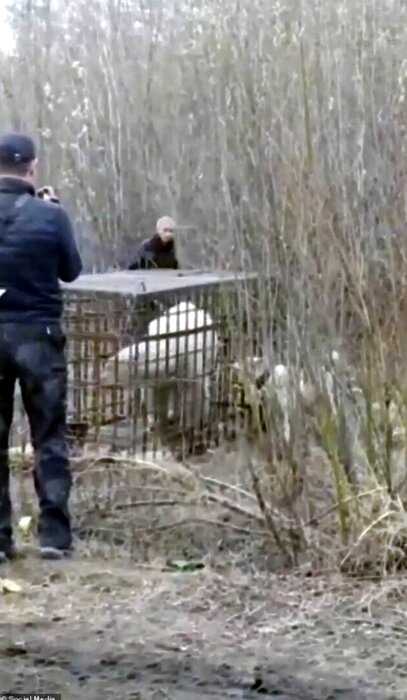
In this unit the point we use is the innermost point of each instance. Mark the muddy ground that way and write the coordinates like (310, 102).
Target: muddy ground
(116, 621)
(88, 628)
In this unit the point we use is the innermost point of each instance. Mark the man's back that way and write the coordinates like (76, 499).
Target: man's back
(37, 249)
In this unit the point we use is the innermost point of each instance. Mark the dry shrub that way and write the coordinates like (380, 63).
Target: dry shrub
(340, 477)
(277, 132)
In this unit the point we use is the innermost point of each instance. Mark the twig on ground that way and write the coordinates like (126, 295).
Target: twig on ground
(155, 504)
(190, 521)
(245, 614)
(173, 502)
(235, 507)
(262, 505)
(210, 497)
(242, 511)
(365, 532)
(224, 485)
(317, 518)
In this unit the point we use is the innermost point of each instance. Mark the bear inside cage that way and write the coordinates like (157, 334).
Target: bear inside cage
(148, 359)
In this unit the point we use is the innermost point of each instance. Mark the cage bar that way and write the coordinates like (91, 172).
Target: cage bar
(148, 356)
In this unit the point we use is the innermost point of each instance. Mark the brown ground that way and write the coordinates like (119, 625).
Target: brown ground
(115, 622)
(88, 628)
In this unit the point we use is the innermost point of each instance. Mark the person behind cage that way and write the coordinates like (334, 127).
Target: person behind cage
(37, 249)
(159, 251)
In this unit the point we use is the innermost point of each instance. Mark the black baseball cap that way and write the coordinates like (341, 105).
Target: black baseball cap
(16, 148)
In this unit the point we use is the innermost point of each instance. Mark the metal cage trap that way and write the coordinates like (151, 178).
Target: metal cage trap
(148, 356)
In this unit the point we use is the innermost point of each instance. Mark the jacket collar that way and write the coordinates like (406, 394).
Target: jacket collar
(157, 244)
(16, 185)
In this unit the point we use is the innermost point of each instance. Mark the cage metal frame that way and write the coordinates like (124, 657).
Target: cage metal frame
(105, 313)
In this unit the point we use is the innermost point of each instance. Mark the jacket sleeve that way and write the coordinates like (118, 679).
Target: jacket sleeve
(175, 264)
(136, 264)
(141, 257)
(70, 263)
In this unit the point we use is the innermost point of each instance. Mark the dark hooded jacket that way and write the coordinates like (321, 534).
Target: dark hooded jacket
(154, 253)
(37, 249)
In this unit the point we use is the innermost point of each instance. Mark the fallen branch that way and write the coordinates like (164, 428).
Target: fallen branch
(371, 526)
(316, 520)
(222, 484)
(180, 475)
(167, 502)
(182, 523)
(234, 507)
(141, 504)
(262, 505)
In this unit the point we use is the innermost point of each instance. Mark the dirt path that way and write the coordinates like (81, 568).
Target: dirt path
(87, 628)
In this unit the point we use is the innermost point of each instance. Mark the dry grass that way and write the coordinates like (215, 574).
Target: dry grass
(232, 505)
(121, 616)
(96, 626)
(302, 181)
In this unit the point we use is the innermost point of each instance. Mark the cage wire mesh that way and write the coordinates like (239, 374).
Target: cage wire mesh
(149, 360)
(150, 375)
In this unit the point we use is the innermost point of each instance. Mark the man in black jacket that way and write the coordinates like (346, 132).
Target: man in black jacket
(37, 249)
(158, 251)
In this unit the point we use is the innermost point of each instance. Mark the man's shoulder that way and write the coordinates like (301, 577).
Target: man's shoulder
(45, 205)
(146, 246)
(50, 211)
(146, 241)
(36, 205)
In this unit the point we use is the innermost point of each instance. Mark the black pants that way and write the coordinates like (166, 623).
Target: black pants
(34, 355)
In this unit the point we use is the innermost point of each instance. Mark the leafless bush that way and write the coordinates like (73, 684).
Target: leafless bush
(276, 131)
